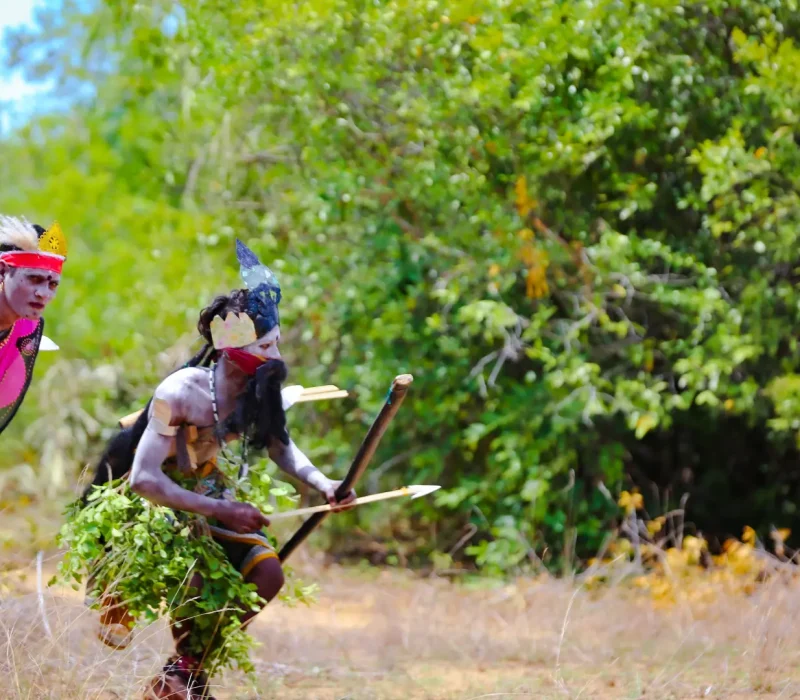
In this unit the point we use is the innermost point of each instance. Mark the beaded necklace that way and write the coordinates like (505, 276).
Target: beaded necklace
(244, 467)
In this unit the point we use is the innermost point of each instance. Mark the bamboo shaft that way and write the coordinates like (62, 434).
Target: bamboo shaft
(320, 389)
(327, 506)
(321, 396)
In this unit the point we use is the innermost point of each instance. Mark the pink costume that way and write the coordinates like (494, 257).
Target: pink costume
(18, 352)
(27, 246)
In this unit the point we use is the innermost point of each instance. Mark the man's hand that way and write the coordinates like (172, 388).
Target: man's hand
(329, 491)
(240, 517)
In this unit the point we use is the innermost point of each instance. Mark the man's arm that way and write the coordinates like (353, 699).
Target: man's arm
(291, 460)
(149, 481)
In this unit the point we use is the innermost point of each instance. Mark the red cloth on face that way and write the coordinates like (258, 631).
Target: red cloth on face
(245, 361)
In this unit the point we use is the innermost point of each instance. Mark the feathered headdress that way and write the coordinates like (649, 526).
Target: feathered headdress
(261, 313)
(23, 244)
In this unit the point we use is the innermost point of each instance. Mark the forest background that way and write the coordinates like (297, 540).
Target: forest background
(574, 223)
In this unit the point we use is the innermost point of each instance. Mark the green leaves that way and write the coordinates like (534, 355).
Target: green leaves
(148, 555)
(491, 316)
(575, 224)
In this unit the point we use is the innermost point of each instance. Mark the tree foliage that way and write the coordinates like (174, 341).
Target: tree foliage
(574, 223)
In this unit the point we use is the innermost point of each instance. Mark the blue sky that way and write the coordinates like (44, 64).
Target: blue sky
(12, 14)
(13, 88)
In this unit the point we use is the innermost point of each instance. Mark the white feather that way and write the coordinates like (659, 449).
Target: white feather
(46, 345)
(18, 232)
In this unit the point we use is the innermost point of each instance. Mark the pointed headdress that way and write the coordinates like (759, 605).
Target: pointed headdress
(261, 313)
(23, 244)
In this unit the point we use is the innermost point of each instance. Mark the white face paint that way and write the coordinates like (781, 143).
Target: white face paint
(266, 346)
(27, 290)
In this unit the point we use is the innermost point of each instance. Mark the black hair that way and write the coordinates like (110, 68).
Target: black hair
(258, 415)
(117, 458)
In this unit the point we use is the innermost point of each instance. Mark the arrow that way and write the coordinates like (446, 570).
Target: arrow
(298, 394)
(415, 491)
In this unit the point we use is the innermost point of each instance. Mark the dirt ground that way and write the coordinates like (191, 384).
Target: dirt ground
(381, 634)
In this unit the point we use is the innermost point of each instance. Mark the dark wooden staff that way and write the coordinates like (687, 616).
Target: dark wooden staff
(393, 402)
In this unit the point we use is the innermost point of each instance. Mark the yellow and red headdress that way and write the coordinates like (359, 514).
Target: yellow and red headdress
(23, 244)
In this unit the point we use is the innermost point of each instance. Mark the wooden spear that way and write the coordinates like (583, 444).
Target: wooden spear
(415, 491)
(394, 400)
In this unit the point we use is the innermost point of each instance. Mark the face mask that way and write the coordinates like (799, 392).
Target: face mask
(245, 361)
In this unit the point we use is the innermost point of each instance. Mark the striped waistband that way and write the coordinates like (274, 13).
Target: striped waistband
(252, 538)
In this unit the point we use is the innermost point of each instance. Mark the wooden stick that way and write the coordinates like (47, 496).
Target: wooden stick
(397, 493)
(40, 596)
(394, 400)
(320, 389)
(303, 398)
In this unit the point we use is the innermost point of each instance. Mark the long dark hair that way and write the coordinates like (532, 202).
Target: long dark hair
(258, 415)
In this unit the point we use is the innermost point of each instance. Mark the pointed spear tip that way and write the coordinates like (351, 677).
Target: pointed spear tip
(420, 490)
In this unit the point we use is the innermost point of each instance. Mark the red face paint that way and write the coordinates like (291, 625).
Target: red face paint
(245, 361)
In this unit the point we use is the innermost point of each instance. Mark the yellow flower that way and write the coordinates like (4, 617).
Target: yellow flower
(694, 547)
(631, 501)
(730, 544)
(662, 592)
(623, 546)
(655, 526)
(677, 558)
(742, 560)
(523, 201)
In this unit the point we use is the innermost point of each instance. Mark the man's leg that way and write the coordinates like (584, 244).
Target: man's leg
(267, 575)
(179, 676)
(181, 628)
(115, 628)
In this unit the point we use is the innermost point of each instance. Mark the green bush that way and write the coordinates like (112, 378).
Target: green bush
(574, 223)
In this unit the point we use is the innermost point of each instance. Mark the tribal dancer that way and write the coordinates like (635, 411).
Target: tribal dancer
(231, 390)
(30, 271)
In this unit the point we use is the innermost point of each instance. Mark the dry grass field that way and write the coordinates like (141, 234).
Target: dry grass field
(390, 635)
(385, 634)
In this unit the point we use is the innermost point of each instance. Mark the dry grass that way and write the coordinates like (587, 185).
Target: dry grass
(384, 634)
